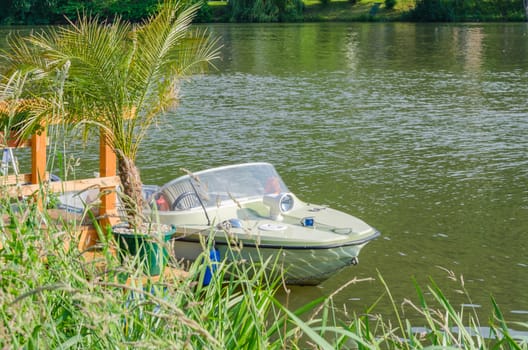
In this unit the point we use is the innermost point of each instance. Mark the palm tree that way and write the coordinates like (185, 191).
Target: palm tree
(116, 77)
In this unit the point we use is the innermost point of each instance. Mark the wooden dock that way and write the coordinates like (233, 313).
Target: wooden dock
(36, 186)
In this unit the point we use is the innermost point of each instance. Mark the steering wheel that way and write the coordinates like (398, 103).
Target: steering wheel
(179, 204)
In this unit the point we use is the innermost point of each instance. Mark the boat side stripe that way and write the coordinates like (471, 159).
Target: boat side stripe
(276, 246)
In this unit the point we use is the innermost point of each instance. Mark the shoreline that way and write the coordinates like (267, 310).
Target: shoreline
(361, 11)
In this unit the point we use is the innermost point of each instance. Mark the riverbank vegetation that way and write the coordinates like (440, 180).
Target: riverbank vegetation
(53, 297)
(33, 12)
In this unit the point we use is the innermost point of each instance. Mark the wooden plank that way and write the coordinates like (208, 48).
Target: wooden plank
(97, 259)
(83, 184)
(65, 186)
(15, 179)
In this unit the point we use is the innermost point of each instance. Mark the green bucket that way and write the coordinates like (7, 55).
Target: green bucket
(151, 250)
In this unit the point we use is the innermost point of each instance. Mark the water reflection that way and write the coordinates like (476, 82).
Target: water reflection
(471, 41)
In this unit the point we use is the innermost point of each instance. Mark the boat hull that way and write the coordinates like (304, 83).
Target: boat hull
(297, 265)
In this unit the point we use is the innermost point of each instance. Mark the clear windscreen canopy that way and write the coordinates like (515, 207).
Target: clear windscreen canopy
(237, 182)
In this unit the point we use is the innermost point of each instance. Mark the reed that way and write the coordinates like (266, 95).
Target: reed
(52, 297)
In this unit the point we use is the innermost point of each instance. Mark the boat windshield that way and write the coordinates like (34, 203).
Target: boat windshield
(235, 182)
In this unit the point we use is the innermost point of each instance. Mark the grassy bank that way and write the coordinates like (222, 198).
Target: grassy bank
(336, 10)
(52, 297)
(366, 10)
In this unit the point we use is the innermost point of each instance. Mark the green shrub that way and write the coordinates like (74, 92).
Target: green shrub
(264, 11)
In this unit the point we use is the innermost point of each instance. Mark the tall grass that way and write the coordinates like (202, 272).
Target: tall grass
(52, 297)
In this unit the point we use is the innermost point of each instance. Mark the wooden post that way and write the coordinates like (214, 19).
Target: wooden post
(38, 163)
(38, 158)
(107, 167)
(107, 209)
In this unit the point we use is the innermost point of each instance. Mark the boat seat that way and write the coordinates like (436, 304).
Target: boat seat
(180, 195)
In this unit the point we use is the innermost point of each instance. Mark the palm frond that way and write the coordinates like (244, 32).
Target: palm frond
(114, 76)
(169, 45)
(98, 55)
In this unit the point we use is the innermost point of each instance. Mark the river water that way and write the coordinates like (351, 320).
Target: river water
(421, 130)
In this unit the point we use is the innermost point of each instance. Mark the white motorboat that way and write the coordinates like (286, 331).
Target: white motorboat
(250, 206)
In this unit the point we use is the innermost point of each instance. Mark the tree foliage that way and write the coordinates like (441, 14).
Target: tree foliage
(27, 11)
(389, 4)
(55, 11)
(265, 10)
(456, 10)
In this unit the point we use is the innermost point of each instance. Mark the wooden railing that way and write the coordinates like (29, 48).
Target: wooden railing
(32, 183)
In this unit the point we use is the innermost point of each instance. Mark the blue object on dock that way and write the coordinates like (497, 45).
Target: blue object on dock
(214, 258)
